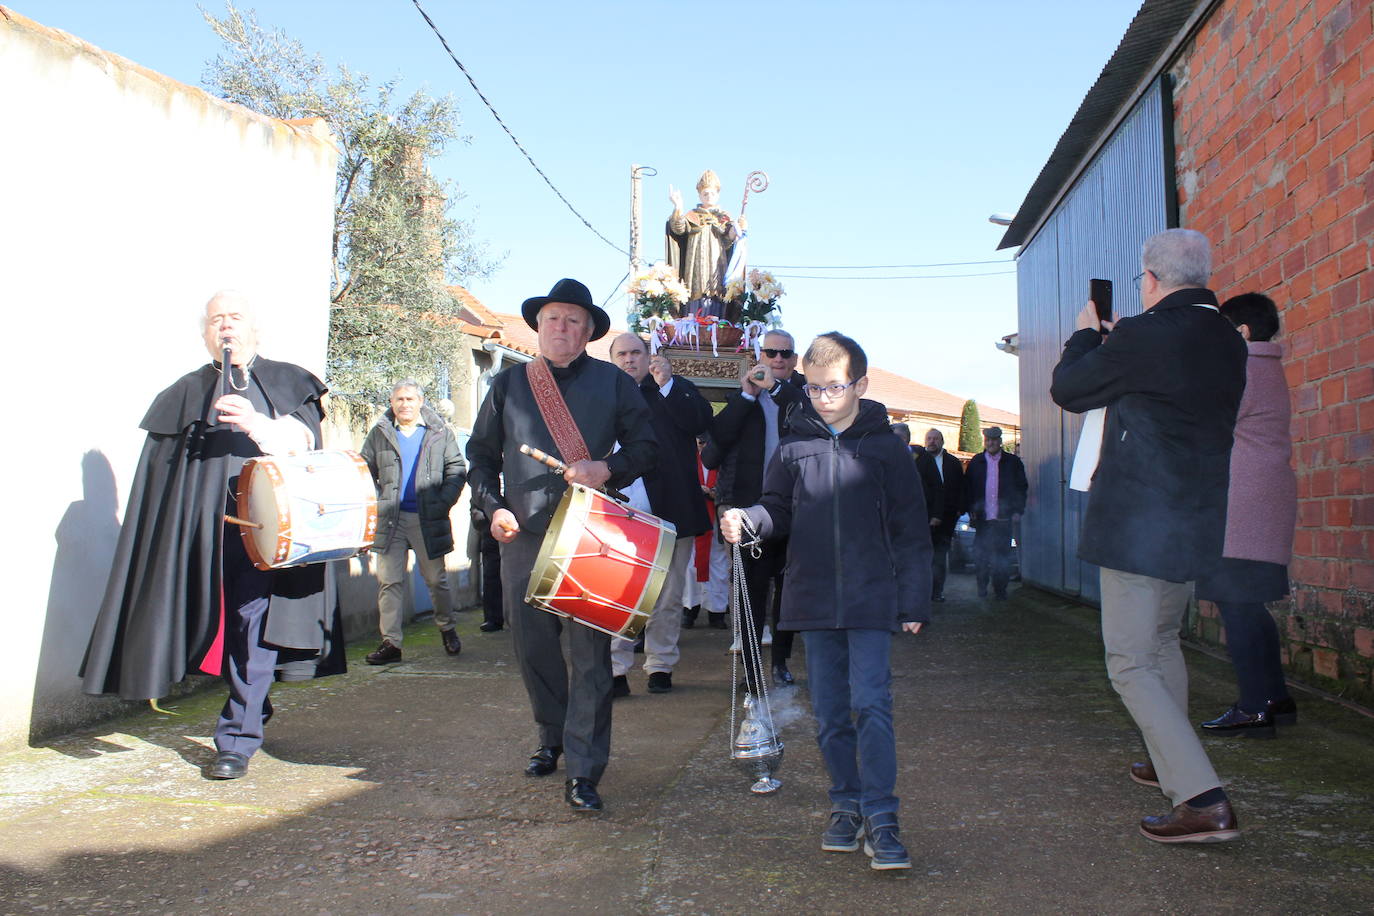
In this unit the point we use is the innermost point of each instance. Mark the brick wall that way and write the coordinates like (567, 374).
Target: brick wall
(1274, 130)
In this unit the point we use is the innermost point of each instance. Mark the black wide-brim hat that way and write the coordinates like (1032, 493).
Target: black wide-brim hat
(573, 293)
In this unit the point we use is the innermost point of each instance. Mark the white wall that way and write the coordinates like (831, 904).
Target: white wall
(126, 199)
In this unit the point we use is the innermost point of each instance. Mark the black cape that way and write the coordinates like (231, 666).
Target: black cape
(161, 610)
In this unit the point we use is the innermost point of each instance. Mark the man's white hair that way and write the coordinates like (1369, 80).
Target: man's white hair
(1178, 258)
(791, 341)
(408, 383)
(247, 305)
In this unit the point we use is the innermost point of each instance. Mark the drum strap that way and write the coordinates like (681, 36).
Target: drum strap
(571, 446)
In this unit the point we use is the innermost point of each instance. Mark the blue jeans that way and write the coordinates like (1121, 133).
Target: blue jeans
(850, 677)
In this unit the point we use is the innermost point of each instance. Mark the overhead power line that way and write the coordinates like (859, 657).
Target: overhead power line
(994, 273)
(882, 266)
(443, 41)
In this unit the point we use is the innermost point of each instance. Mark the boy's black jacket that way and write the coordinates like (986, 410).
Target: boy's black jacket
(859, 555)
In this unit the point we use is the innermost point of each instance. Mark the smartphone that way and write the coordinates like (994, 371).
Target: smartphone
(1100, 292)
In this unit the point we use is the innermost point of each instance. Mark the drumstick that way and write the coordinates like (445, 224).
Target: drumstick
(543, 458)
(241, 522)
(560, 467)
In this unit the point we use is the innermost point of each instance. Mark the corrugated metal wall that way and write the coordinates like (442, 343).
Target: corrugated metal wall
(1095, 231)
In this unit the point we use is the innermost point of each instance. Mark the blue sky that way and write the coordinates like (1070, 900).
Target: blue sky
(890, 131)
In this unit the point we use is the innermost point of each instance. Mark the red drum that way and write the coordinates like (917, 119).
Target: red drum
(602, 563)
(306, 508)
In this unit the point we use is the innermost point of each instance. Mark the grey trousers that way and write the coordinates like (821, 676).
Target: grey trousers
(1141, 617)
(664, 628)
(391, 576)
(572, 708)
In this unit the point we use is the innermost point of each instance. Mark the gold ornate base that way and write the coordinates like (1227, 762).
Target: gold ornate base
(707, 371)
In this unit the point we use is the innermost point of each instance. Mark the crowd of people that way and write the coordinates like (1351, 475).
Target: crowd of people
(848, 529)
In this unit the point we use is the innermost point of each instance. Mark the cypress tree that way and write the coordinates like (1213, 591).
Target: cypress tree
(970, 429)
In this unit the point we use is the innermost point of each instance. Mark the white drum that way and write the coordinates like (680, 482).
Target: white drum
(306, 508)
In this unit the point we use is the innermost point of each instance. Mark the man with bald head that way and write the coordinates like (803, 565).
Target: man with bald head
(183, 596)
(609, 441)
(679, 414)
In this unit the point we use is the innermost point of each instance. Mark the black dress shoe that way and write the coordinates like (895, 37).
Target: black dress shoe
(581, 794)
(1283, 712)
(543, 761)
(661, 682)
(1238, 723)
(782, 676)
(488, 626)
(620, 686)
(228, 765)
(689, 616)
(452, 644)
(717, 620)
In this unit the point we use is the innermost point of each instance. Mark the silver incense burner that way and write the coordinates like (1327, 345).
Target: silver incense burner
(757, 749)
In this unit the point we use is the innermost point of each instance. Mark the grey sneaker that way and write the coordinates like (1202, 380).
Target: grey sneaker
(882, 845)
(843, 832)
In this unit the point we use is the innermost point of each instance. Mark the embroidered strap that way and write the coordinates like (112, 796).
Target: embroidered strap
(566, 436)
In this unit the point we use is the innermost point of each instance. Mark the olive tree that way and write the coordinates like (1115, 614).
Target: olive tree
(396, 244)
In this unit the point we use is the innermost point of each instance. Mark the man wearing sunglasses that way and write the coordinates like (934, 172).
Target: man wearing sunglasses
(747, 432)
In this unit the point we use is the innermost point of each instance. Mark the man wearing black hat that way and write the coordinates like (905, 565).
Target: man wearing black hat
(995, 490)
(609, 441)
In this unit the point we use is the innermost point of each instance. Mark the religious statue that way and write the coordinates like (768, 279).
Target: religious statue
(700, 243)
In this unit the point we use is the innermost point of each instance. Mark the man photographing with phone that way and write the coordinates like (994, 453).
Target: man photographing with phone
(1171, 380)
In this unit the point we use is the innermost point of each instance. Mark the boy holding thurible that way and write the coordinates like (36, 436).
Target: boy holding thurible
(846, 491)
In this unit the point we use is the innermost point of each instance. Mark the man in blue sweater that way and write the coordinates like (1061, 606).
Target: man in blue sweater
(420, 472)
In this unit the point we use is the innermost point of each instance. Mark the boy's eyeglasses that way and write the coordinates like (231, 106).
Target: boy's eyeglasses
(774, 354)
(815, 391)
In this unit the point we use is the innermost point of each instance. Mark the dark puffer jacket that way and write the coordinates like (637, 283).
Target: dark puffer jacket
(440, 473)
(859, 554)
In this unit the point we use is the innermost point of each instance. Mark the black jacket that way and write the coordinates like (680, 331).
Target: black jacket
(674, 491)
(859, 554)
(605, 404)
(1171, 380)
(737, 442)
(1012, 487)
(932, 488)
(953, 493)
(439, 476)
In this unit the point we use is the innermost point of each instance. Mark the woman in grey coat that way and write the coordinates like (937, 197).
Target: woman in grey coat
(1261, 513)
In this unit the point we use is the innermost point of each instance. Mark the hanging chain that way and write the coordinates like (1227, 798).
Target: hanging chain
(740, 610)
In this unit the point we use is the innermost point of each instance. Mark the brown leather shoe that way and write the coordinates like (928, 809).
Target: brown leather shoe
(1144, 773)
(1186, 824)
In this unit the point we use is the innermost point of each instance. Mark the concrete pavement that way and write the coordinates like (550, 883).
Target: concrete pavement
(398, 790)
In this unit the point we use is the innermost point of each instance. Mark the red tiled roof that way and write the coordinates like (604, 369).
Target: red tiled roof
(478, 313)
(903, 395)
